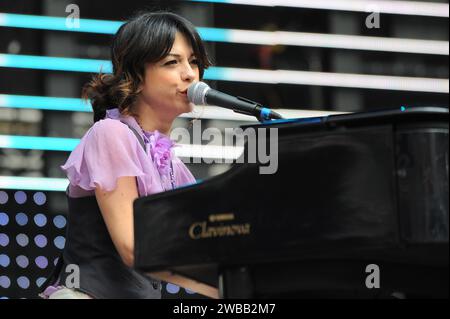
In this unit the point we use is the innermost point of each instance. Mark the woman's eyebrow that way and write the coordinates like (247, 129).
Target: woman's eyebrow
(178, 55)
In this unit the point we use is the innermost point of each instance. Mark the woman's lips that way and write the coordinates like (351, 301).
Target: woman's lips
(184, 94)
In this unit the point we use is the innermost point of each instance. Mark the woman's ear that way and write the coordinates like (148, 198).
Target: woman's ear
(141, 85)
(141, 78)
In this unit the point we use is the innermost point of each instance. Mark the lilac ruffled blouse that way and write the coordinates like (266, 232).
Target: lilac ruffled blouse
(110, 150)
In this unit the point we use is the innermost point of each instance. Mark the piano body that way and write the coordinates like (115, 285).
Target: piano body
(358, 207)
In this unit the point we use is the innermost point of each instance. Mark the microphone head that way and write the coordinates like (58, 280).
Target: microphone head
(197, 93)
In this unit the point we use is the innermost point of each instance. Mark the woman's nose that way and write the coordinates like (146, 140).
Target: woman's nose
(188, 74)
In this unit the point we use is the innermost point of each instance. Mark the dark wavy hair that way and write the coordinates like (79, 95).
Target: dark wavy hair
(146, 38)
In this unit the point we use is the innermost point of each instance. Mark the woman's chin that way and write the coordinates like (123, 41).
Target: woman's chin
(187, 108)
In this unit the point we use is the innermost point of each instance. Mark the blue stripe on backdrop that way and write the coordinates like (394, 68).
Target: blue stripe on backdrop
(38, 143)
(34, 183)
(40, 183)
(45, 103)
(57, 23)
(54, 63)
(80, 65)
(91, 25)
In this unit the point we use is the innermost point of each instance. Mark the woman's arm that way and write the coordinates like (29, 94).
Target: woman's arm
(117, 210)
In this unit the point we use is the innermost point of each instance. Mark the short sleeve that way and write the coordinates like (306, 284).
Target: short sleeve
(106, 152)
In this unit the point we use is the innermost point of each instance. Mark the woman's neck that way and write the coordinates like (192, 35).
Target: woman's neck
(149, 120)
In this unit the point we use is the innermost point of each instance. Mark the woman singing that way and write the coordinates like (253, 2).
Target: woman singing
(126, 154)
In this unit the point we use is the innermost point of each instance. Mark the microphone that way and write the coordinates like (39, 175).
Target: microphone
(200, 93)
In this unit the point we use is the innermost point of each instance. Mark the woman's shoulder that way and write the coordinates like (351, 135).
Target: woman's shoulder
(108, 151)
(108, 135)
(109, 130)
(109, 126)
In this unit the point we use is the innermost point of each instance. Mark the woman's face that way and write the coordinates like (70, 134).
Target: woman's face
(166, 81)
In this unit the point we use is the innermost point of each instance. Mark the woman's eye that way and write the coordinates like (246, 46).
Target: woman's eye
(171, 62)
(194, 62)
